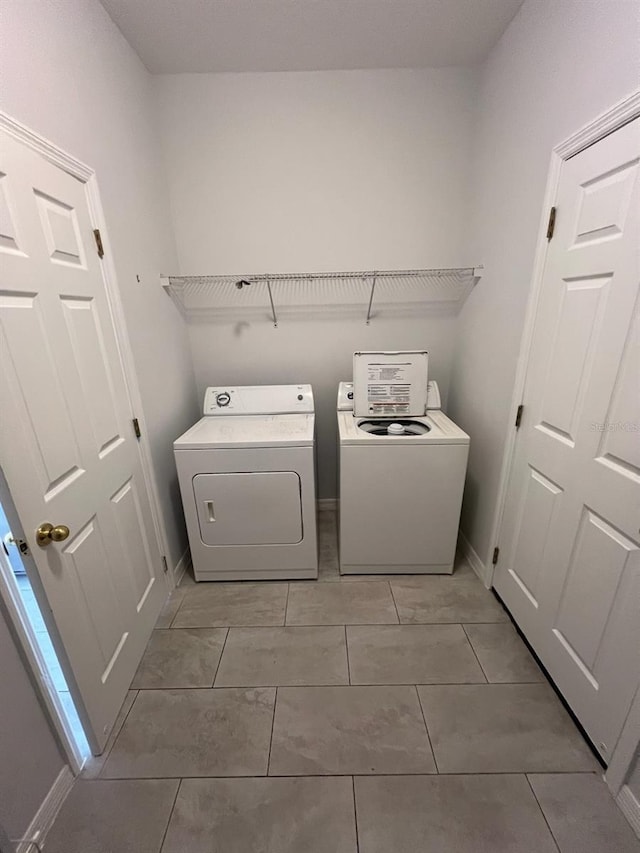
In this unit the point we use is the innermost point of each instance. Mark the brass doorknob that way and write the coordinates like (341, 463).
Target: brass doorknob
(47, 533)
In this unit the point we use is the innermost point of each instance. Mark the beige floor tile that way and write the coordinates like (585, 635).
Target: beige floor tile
(284, 656)
(502, 654)
(225, 604)
(182, 657)
(340, 604)
(582, 814)
(124, 816)
(411, 654)
(449, 814)
(346, 730)
(212, 732)
(441, 598)
(502, 728)
(263, 816)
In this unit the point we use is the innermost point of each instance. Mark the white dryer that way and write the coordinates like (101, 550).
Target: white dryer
(247, 479)
(401, 481)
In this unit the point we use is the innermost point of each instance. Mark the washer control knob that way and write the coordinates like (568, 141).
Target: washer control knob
(223, 399)
(349, 395)
(300, 397)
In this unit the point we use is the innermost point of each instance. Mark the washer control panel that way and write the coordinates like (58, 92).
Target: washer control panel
(258, 400)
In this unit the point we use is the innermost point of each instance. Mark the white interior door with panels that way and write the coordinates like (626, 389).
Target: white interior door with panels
(67, 444)
(569, 567)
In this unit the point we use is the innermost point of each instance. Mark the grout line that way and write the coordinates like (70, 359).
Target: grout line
(323, 624)
(175, 615)
(357, 774)
(426, 728)
(254, 686)
(273, 723)
(355, 813)
(486, 677)
(393, 598)
(286, 606)
(171, 810)
(224, 646)
(544, 817)
(346, 645)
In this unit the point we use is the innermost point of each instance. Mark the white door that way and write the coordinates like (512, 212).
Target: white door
(67, 444)
(569, 567)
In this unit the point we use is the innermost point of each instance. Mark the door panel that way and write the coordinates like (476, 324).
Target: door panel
(583, 302)
(136, 549)
(598, 562)
(260, 508)
(92, 364)
(569, 569)
(68, 449)
(538, 506)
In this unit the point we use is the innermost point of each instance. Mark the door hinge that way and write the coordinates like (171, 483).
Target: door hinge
(519, 415)
(496, 554)
(165, 564)
(552, 223)
(99, 246)
(136, 427)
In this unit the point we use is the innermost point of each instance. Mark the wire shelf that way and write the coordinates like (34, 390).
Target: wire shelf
(369, 294)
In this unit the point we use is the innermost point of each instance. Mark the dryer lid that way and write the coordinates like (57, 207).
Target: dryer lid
(248, 431)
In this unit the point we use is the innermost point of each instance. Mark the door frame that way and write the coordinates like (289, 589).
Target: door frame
(87, 176)
(606, 123)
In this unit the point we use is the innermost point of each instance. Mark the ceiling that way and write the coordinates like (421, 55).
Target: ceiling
(179, 36)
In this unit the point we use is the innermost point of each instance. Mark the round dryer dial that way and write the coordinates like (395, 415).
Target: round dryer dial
(223, 399)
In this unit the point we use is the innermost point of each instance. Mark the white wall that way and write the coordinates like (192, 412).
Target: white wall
(68, 73)
(559, 64)
(317, 171)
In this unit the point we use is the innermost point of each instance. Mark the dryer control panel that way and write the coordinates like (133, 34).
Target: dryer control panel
(258, 400)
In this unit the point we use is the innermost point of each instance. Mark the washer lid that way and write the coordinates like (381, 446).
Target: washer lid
(389, 384)
(248, 431)
(441, 430)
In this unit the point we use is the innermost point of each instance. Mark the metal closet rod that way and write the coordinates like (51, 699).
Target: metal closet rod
(373, 275)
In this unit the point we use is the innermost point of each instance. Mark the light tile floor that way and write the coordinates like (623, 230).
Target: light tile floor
(349, 715)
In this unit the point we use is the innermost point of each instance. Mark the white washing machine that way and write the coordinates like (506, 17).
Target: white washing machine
(401, 480)
(247, 478)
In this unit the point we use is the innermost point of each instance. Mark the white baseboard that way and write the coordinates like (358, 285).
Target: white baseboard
(327, 504)
(181, 567)
(630, 807)
(46, 814)
(471, 555)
